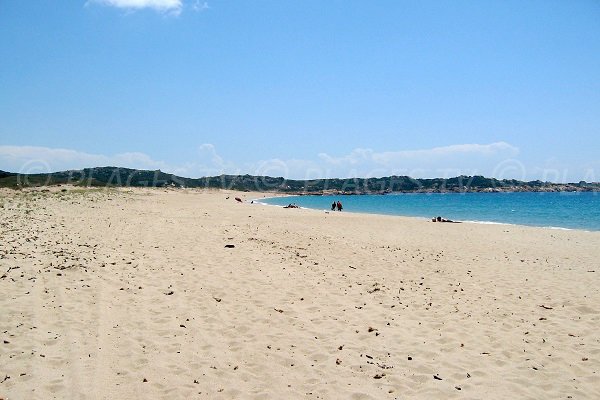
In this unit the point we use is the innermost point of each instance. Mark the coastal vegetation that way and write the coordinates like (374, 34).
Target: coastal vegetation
(125, 177)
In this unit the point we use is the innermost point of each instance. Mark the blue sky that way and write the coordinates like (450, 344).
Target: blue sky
(303, 89)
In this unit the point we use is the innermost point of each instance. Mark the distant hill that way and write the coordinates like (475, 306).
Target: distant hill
(4, 174)
(125, 177)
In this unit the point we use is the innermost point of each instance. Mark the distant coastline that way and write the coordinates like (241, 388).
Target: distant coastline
(126, 177)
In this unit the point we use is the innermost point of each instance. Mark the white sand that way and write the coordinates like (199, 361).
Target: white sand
(307, 305)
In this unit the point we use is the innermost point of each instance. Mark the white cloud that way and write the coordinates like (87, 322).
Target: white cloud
(391, 158)
(494, 159)
(290, 168)
(467, 159)
(438, 161)
(200, 6)
(169, 6)
(34, 159)
(208, 153)
(207, 163)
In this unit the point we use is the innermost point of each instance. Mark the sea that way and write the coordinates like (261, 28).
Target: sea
(563, 210)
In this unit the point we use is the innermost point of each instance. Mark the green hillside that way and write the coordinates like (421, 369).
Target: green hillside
(125, 177)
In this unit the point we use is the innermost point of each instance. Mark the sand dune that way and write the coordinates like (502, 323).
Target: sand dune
(109, 294)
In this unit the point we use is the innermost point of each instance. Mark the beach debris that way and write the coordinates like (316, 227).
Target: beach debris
(6, 273)
(409, 358)
(278, 310)
(169, 293)
(338, 361)
(144, 380)
(217, 299)
(238, 199)
(378, 376)
(545, 307)
(229, 246)
(437, 378)
(6, 377)
(457, 387)
(375, 289)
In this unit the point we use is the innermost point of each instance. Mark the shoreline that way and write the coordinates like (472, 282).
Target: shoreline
(482, 222)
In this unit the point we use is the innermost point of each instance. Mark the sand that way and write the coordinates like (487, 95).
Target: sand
(120, 294)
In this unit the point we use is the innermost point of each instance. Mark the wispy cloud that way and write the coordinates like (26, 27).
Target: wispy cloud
(167, 6)
(495, 159)
(208, 163)
(392, 158)
(468, 159)
(35, 159)
(438, 161)
(200, 6)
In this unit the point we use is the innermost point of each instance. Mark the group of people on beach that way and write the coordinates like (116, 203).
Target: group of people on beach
(440, 219)
(337, 205)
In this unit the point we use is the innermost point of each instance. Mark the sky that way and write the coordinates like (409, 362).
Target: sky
(303, 89)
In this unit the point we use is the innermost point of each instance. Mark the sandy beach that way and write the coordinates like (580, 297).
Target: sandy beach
(177, 294)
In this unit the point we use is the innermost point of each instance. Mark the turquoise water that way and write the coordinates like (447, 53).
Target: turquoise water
(559, 210)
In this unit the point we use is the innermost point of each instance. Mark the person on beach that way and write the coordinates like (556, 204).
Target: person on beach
(440, 219)
(333, 205)
(339, 205)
